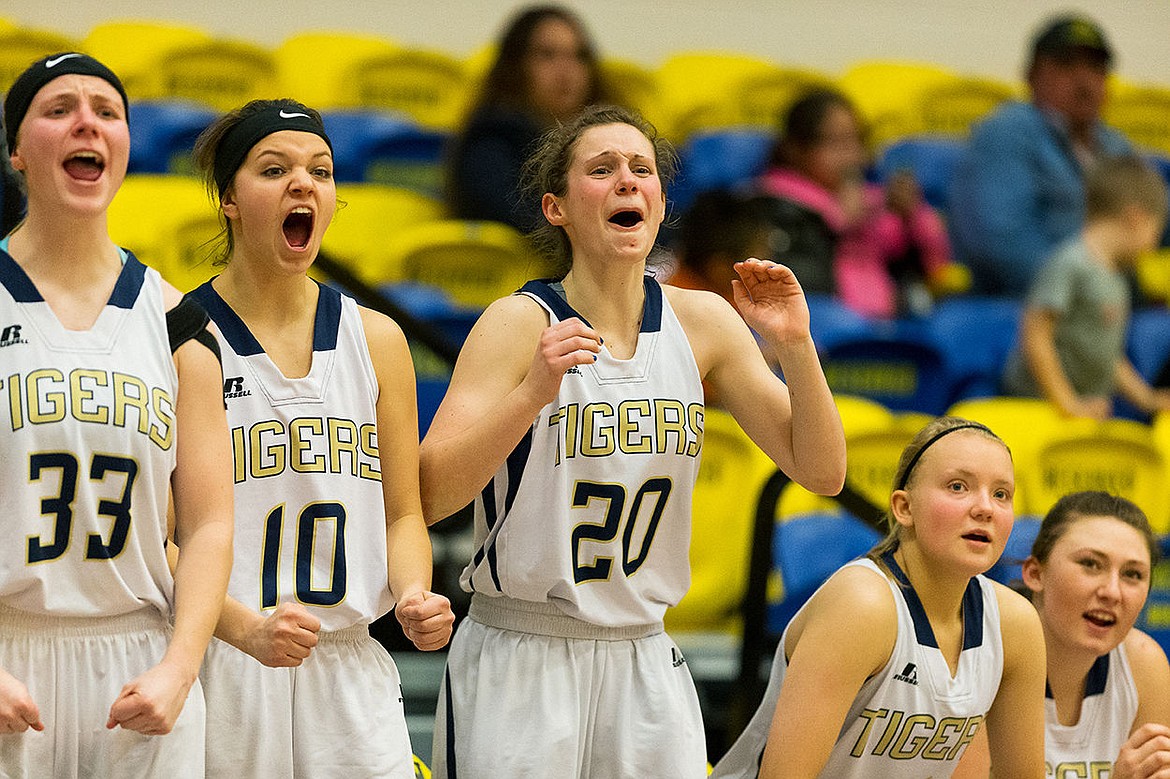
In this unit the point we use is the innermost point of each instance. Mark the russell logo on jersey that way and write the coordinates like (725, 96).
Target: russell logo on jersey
(10, 336)
(233, 387)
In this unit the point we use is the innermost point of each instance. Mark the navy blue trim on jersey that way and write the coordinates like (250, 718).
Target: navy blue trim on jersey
(129, 283)
(516, 462)
(240, 338)
(1095, 680)
(651, 308)
(972, 609)
(450, 745)
(22, 289)
(328, 320)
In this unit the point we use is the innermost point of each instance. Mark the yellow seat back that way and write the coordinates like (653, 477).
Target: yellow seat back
(1153, 274)
(158, 60)
(1142, 113)
(475, 262)
(887, 94)
(952, 106)
(21, 46)
(370, 213)
(1118, 456)
(731, 476)
(340, 70)
(169, 224)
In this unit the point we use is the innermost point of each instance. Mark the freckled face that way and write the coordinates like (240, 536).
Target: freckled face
(959, 501)
(614, 202)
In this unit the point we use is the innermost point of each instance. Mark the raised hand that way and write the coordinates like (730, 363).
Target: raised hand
(771, 300)
(426, 619)
(562, 346)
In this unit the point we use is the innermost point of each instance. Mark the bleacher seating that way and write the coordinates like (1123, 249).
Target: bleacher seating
(20, 46)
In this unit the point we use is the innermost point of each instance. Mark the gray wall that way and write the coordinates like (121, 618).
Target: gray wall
(984, 37)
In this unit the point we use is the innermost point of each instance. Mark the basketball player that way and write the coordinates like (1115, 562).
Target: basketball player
(574, 419)
(1107, 709)
(330, 536)
(895, 663)
(111, 401)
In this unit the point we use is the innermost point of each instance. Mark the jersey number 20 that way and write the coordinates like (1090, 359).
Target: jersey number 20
(614, 496)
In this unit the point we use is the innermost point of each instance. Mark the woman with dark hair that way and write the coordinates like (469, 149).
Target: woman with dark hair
(574, 422)
(329, 537)
(890, 246)
(1107, 709)
(546, 70)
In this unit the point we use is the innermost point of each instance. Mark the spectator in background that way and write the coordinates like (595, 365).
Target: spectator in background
(889, 244)
(1018, 192)
(720, 229)
(546, 71)
(1072, 336)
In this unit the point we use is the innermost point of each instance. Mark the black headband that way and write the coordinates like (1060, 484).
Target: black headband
(930, 442)
(235, 144)
(41, 72)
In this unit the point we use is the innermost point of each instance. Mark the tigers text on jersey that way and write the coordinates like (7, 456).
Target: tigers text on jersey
(592, 510)
(310, 516)
(1089, 748)
(912, 718)
(87, 448)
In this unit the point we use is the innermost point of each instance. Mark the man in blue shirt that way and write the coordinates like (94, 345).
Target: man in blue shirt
(1018, 191)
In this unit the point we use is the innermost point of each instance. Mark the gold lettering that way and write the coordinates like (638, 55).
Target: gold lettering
(53, 409)
(339, 446)
(261, 452)
(81, 395)
(597, 431)
(299, 441)
(909, 745)
(630, 439)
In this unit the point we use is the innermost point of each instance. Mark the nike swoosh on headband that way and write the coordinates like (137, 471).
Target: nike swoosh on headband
(58, 60)
(284, 115)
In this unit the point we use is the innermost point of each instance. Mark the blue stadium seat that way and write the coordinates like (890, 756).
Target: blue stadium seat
(932, 160)
(385, 148)
(902, 369)
(831, 321)
(1019, 545)
(1148, 340)
(976, 334)
(164, 133)
(719, 159)
(807, 549)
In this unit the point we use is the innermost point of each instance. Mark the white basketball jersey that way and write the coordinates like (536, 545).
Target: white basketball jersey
(87, 447)
(911, 718)
(592, 510)
(310, 516)
(1090, 747)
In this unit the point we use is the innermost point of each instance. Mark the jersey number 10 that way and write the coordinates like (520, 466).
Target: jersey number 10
(306, 530)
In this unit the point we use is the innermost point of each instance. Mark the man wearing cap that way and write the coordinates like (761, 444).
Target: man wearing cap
(1018, 191)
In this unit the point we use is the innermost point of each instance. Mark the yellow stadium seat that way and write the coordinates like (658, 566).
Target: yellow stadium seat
(635, 86)
(169, 224)
(1142, 112)
(731, 476)
(872, 456)
(886, 91)
(157, 60)
(1162, 438)
(1118, 456)
(951, 107)
(1153, 274)
(858, 416)
(713, 90)
(21, 46)
(339, 70)
(475, 262)
(371, 212)
(420, 768)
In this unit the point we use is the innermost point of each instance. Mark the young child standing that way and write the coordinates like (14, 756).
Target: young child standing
(1072, 336)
